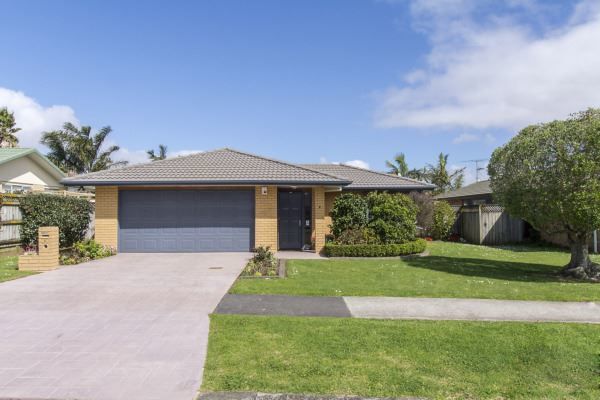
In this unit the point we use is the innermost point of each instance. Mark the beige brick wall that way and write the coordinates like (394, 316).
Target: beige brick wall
(48, 252)
(329, 198)
(107, 215)
(265, 217)
(319, 223)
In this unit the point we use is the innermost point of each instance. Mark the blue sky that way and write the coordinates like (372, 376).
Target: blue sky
(304, 81)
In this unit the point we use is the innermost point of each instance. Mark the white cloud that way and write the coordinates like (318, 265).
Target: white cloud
(353, 163)
(466, 138)
(32, 117)
(181, 153)
(131, 156)
(472, 137)
(357, 163)
(493, 70)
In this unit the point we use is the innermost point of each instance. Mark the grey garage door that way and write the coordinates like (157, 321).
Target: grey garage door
(185, 220)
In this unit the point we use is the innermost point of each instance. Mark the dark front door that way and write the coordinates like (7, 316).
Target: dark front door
(290, 220)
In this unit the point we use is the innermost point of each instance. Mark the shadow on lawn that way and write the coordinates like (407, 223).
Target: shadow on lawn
(511, 271)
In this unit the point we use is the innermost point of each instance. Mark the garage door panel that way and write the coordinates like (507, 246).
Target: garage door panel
(185, 220)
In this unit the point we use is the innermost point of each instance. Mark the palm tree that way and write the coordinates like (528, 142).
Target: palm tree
(440, 176)
(162, 153)
(8, 129)
(77, 150)
(398, 166)
(419, 174)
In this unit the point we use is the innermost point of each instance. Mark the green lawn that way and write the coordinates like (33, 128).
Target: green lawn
(451, 270)
(457, 360)
(8, 269)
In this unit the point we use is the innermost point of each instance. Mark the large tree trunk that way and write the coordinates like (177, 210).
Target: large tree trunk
(580, 266)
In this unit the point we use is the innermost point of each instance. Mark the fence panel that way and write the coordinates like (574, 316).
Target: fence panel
(488, 224)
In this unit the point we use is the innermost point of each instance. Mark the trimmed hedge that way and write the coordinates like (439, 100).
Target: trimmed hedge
(375, 250)
(70, 214)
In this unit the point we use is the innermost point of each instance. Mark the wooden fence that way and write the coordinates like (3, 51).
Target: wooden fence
(10, 216)
(488, 224)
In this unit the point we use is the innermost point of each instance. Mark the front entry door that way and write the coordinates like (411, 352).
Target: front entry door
(290, 220)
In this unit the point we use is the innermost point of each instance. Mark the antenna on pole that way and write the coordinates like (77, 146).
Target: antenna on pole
(477, 167)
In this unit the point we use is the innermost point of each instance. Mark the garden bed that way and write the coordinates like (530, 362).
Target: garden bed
(280, 272)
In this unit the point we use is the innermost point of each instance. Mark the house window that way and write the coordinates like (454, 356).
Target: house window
(16, 189)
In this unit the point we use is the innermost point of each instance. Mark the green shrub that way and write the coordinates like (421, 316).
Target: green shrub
(444, 217)
(375, 250)
(349, 212)
(70, 214)
(392, 217)
(86, 251)
(263, 263)
(357, 236)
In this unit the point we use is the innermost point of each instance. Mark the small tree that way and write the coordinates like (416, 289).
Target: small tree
(424, 203)
(349, 211)
(8, 129)
(443, 219)
(392, 217)
(549, 175)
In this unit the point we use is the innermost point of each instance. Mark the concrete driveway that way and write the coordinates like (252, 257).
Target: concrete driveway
(132, 326)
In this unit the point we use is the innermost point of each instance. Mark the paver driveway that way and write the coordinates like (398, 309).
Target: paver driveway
(132, 326)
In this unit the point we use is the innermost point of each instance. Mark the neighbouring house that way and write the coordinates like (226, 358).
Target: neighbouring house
(473, 194)
(24, 170)
(480, 220)
(224, 200)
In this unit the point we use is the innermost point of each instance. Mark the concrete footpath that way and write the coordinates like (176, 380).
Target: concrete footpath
(411, 308)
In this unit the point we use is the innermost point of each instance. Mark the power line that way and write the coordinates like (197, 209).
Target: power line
(477, 167)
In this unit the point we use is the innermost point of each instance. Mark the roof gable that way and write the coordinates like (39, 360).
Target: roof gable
(218, 167)
(10, 154)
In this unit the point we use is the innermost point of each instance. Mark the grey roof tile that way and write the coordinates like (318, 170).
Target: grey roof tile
(224, 166)
(474, 189)
(366, 179)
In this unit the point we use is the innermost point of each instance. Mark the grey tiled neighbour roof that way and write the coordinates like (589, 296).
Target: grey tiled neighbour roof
(474, 189)
(366, 179)
(219, 167)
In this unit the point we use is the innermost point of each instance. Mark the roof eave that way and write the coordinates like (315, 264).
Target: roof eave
(68, 182)
(403, 187)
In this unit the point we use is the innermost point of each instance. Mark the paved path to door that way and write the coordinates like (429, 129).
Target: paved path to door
(130, 327)
(411, 308)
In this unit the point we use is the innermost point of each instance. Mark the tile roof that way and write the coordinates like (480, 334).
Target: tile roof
(366, 179)
(474, 189)
(218, 167)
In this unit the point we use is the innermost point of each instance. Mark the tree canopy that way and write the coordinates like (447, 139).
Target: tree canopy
(8, 129)
(398, 166)
(77, 150)
(162, 153)
(549, 175)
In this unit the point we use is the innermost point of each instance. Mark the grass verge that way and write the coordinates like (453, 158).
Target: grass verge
(452, 270)
(9, 269)
(435, 359)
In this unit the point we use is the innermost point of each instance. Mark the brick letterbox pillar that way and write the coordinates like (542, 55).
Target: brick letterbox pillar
(47, 255)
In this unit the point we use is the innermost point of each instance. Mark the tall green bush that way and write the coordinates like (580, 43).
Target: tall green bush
(392, 217)
(70, 214)
(349, 212)
(444, 217)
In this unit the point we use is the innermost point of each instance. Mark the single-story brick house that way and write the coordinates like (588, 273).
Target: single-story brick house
(224, 200)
